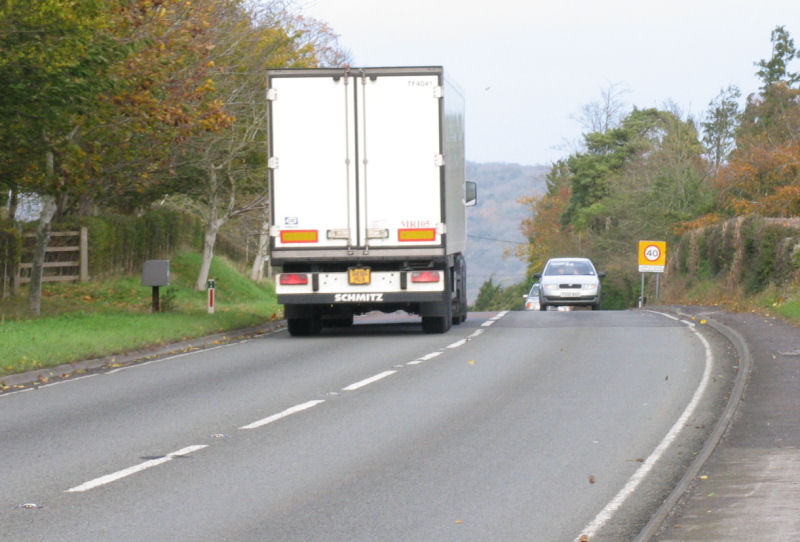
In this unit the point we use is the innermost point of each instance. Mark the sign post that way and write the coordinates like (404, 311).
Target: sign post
(155, 273)
(652, 259)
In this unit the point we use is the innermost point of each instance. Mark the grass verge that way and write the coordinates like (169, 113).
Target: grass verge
(106, 317)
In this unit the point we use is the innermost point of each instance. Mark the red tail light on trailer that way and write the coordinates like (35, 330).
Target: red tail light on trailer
(293, 279)
(425, 276)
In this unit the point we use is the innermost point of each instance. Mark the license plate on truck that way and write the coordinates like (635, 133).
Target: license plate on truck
(358, 275)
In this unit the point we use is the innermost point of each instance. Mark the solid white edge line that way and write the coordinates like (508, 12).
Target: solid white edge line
(606, 513)
(367, 381)
(487, 323)
(288, 412)
(113, 477)
(168, 358)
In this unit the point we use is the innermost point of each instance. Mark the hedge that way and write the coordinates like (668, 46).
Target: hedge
(750, 251)
(120, 244)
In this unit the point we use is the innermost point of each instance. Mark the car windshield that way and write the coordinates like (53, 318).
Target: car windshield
(569, 268)
(534, 290)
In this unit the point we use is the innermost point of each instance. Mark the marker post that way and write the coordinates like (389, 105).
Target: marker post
(211, 288)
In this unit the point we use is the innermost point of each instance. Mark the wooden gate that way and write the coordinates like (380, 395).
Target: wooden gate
(66, 259)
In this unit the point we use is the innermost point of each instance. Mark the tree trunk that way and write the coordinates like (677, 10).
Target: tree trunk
(13, 202)
(209, 239)
(42, 240)
(257, 273)
(213, 223)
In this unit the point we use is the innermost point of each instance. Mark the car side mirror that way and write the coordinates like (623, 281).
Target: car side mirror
(537, 275)
(602, 274)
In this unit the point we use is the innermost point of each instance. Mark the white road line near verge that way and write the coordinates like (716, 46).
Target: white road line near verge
(113, 477)
(280, 415)
(607, 513)
(167, 358)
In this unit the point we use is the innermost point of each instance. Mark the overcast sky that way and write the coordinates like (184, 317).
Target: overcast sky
(528, 67)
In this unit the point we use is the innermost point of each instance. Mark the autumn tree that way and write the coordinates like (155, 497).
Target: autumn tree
(224, 167)
(55, 61)
(763, 173)
(546, 235)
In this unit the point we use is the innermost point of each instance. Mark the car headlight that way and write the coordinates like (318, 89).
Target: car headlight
(551, 288)
(590, 287)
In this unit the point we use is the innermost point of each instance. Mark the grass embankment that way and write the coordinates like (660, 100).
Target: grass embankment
(105, 317)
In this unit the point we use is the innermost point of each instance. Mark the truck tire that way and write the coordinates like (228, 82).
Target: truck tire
(435, 324)
(439, 324)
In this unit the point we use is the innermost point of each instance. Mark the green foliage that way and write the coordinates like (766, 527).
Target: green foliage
(493, 297)
(776, 69)
(719, 126)
(620, 291)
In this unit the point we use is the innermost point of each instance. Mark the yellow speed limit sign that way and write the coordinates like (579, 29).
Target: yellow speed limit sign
(652, 256)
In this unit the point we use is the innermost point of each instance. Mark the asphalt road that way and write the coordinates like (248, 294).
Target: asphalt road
(518, 426)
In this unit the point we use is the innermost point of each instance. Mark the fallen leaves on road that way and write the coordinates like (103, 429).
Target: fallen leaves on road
(591, 479)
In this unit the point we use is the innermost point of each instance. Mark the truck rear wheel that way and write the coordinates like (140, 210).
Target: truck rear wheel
(439, 324)
(435, 324)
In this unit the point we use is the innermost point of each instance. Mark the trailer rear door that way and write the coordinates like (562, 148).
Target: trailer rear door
(399, 163)
(312, 161)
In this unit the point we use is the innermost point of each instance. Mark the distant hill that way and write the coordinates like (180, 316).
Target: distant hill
(494, 224)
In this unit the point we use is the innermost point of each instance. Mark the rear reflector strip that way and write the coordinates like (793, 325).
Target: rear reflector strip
(293, 279)
(425, 276)
(416, 234)
(299, 236)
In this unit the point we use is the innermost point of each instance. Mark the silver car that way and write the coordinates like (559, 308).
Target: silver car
(569, 282)
(532, 299)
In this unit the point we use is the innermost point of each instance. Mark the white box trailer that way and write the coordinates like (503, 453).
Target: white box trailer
(368, 195)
